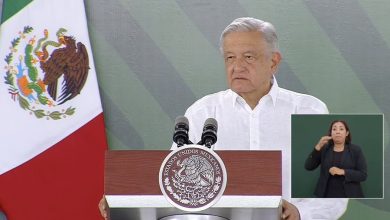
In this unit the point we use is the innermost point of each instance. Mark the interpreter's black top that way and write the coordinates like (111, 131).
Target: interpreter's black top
(351, 160)
(335, 186)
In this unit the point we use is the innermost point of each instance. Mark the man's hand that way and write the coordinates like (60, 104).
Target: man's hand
(103, 208)
(336, 171)
(290, 212)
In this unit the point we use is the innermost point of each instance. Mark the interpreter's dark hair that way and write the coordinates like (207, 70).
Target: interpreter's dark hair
(348, 139)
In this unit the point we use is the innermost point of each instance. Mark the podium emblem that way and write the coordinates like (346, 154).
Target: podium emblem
(192, 178)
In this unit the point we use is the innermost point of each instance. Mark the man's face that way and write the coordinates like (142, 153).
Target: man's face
(249, 63)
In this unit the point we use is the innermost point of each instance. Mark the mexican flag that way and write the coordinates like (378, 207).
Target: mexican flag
(52, 137)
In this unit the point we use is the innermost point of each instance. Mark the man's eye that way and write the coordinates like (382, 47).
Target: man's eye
(250, 58)
(229, 58)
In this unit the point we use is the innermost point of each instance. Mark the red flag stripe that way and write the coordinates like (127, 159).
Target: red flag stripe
(63, 182)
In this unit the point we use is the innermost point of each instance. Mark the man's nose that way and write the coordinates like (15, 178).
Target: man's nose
(240, 64)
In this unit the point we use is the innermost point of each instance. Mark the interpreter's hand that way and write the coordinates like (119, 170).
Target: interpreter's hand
(336, 171)
(290, 212)
(103, 208)
(321, 143)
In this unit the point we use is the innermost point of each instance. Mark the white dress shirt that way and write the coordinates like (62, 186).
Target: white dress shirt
(266, 127)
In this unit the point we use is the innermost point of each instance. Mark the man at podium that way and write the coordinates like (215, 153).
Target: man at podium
(255, 113)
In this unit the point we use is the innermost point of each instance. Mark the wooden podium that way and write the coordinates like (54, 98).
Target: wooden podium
(253, 190)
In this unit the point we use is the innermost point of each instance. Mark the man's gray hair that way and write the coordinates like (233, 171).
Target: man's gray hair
(247, 24)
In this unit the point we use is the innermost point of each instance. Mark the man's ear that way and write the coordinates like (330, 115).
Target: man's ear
(276, 58)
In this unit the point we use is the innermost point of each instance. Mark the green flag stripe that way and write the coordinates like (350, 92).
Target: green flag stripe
(11, 7)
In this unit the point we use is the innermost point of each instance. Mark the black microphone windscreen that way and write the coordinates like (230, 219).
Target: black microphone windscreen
(180, 135)
(181, 120)
(211, 122)
(209, 134)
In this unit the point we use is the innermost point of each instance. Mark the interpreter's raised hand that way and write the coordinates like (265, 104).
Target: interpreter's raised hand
(290, 212)
(336, 171)
(322, 142)
(103, 208)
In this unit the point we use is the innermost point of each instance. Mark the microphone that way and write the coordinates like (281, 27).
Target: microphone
(209, 134)
(180, 135)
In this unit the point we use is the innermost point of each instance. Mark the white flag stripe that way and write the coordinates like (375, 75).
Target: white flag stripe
(23, 135)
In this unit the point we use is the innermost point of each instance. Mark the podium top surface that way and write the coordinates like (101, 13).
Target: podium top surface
(147, 201)
(229, 207)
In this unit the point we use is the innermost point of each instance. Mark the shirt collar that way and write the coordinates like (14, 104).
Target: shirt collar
(273, 93)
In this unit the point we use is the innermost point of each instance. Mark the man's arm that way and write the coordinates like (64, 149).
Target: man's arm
(320, 208)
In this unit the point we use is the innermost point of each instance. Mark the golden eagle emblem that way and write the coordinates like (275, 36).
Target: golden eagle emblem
(70, 61)
(45, 73)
